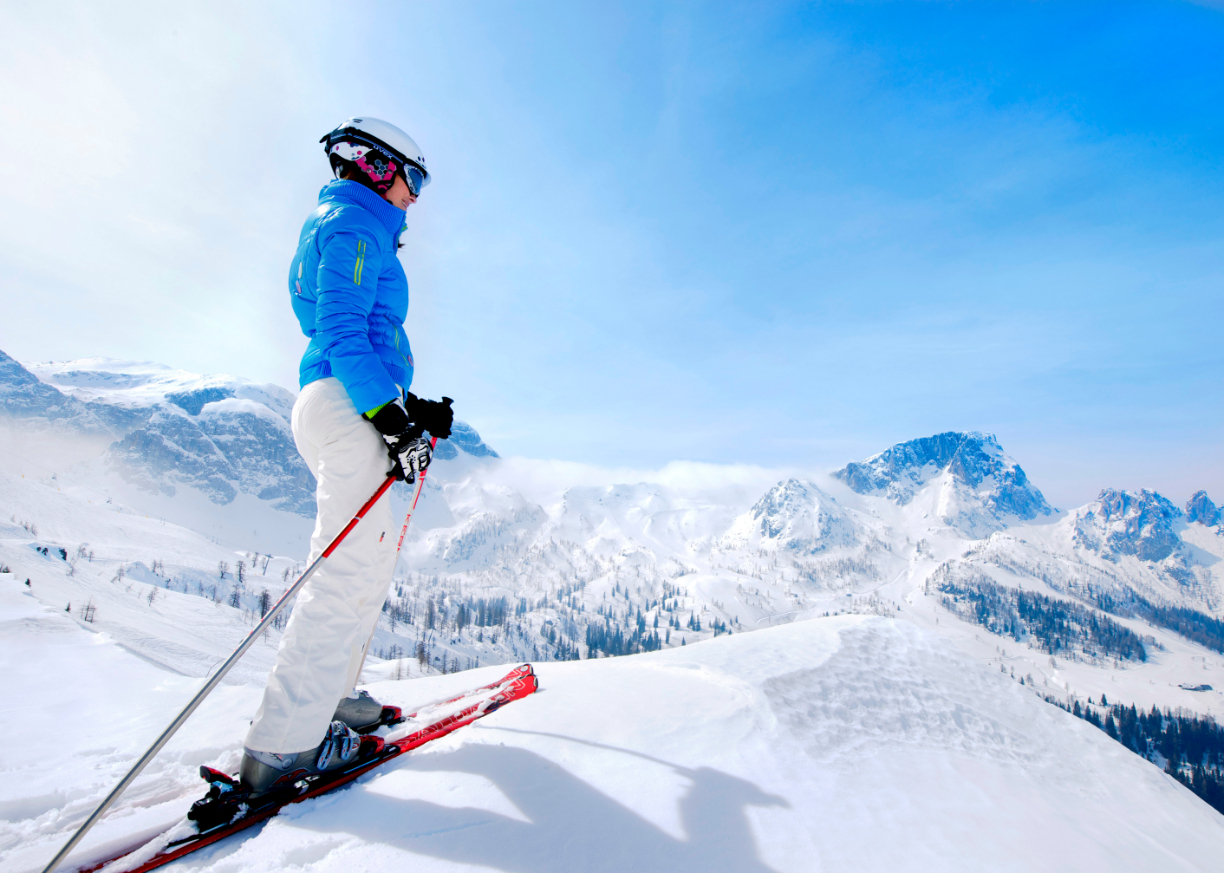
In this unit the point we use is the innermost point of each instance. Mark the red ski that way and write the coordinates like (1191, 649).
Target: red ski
(225, 795)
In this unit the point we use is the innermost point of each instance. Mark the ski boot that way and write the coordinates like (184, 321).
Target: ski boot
(363, 713)
(263, 772)
(268, 778)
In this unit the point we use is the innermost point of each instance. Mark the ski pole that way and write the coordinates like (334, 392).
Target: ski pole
(216, 679)
(416, 494)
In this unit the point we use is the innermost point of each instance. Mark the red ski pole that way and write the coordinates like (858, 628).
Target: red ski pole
(225, 668)
(416, 495)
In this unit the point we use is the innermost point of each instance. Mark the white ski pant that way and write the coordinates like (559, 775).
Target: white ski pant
(322, 649)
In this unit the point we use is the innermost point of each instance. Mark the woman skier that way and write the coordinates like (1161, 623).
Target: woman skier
(350, 296)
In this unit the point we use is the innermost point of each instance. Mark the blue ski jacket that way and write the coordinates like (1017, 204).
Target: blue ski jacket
(350, 295)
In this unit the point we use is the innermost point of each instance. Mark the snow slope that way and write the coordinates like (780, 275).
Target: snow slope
(178, 618)
(811, 737)
(849, 743)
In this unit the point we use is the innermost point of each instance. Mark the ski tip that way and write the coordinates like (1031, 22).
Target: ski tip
(525, 673)
(532, 678)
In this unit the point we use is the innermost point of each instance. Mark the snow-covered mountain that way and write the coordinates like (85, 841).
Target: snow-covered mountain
(176, 444)
(1200, 508)
(557, 570)
(511, 559)
(27, 399)
(970, 481)
(1121, 523)
(798, 517)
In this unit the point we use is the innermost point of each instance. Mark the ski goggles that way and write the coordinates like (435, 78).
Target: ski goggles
(415, 179)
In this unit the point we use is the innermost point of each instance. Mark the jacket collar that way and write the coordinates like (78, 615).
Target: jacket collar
(348, 191)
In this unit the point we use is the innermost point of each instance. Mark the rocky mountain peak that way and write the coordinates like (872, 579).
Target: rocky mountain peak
(464, 438)
(1200, 508)
(1140, 508)
(974, 460)
(1130, 523)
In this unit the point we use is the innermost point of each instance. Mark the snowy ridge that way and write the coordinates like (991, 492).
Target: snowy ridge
(144, 384)
(791, 749)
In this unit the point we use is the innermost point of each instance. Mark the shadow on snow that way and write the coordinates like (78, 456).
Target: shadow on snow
(573, 825)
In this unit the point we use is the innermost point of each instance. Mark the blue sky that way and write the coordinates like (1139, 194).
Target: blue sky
(785, 234)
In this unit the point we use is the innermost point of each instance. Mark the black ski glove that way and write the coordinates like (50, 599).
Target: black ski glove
(432, 415)
(410, 452)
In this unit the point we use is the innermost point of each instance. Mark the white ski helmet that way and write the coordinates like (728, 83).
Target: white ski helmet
(378, 150)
